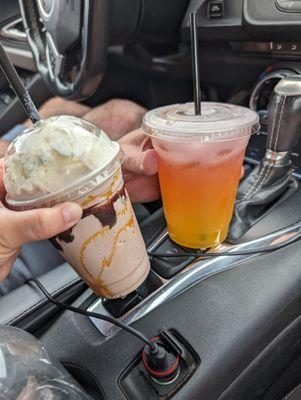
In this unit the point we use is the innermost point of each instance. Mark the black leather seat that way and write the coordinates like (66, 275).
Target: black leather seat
(295, 394)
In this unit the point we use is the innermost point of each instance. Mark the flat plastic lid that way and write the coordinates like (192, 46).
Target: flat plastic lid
(218, 121)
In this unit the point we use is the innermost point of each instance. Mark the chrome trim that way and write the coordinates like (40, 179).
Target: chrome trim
(252, 161)
(196, 272)
(20, 52)
(276, 157)
(21, 58)
(159, 240)
(289, 86)
(53, 70)
(43, 12)
(9, 31)
(276, 74)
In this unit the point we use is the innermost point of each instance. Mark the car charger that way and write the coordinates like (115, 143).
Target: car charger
(163, 365)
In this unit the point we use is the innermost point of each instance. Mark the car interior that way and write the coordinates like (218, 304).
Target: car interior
(233, 319)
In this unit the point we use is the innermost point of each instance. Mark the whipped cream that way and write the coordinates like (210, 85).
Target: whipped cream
(53, 155)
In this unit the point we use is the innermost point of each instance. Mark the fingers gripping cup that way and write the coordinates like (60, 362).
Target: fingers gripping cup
(200, 159)
(69, 159)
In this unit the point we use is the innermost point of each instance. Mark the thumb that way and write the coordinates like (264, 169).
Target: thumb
(142, 162)
(2, 188)
(27, 226)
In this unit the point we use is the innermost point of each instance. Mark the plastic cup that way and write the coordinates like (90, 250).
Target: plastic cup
(200, 159)
(105, 247)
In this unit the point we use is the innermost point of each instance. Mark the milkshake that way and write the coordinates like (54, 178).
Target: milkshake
(69, 159)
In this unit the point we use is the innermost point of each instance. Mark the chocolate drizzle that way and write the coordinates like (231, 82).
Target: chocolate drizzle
(55, 243)
(105, 213)
(66, 237)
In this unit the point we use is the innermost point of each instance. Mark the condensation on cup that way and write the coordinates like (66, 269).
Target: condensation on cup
(69, 159)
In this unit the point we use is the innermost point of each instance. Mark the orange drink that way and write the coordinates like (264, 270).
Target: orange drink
(199, 168)
(198, 196)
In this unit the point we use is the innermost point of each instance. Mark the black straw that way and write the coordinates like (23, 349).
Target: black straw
(18, 87)
(195, 63)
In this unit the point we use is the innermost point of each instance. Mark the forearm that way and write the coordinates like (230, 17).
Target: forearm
(3, 147)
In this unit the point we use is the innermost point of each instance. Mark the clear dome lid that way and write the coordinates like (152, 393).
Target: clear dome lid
(27, 372)
(58, 159)
(217, 122)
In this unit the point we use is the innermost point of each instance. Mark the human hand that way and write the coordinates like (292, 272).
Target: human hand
(3, 147)
(117, 117)
(18, 228)
(140, 167)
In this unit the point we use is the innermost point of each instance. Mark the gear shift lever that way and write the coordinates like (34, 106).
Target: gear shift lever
(271, 181)
(284, 117)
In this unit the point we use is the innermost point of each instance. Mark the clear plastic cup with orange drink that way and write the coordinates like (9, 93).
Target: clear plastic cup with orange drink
(200, 159)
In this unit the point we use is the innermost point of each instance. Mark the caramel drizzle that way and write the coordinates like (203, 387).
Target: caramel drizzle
(100, 284)
(105, 195)
(107, 261)
(86, 244)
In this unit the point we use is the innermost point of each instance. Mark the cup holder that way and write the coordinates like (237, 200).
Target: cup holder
(86, 380)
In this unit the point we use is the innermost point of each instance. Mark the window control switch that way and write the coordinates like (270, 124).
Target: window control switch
(215, 9)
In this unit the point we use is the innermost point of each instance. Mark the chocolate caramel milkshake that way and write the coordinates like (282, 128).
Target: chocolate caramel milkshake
(68, 159)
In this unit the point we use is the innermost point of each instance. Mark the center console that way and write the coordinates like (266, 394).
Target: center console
(230, 313)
